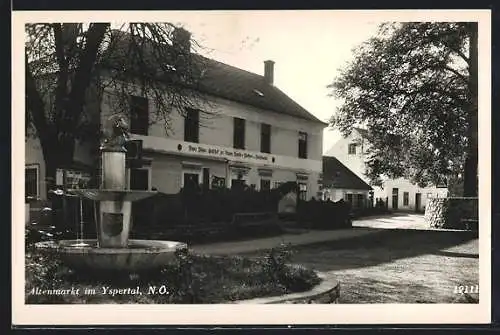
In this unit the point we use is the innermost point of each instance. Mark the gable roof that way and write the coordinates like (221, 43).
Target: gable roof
(222, 80)
(235, 84)
(337, 175)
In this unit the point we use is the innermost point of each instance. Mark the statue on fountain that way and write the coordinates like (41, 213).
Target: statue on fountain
(115, 133)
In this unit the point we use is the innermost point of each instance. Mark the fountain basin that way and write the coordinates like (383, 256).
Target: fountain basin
(139, 255)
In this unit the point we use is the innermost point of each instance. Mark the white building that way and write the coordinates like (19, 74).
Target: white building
(400, 193)
(257, 136)
(339, 182)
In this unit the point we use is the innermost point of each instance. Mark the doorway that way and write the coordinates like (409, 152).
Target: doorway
(418, 201)
(395, 198)
(206, 179)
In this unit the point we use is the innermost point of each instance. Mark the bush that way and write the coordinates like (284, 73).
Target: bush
(291, 278)
(189, 279)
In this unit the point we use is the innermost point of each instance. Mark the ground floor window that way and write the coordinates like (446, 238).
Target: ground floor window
(139, 179)
(31, 180)
(238, 184)
(191, 180)
(360, 200)
(206, 179)
(302, 191)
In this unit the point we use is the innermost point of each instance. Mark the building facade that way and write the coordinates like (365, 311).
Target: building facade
(400, 194)
(256, 136)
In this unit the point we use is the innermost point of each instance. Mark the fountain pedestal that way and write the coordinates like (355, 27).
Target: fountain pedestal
(113, 250)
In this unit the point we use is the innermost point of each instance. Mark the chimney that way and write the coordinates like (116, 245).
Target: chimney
(269, 71)
(181, 38)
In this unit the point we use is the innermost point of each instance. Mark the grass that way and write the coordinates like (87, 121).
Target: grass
(190, 279)
(398, 266)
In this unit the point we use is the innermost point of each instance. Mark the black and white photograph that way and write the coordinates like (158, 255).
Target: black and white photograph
(210, 162)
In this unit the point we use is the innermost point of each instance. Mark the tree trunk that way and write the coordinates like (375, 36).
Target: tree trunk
(57, 154)
(471, 160)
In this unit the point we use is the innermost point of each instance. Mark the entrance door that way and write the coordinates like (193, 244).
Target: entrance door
(418, 201)
(206, 179)
(395, 198)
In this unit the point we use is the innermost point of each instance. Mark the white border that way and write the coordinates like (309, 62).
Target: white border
(251, 314)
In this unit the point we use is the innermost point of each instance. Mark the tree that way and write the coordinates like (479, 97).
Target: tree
(70, 67)
(413, 87)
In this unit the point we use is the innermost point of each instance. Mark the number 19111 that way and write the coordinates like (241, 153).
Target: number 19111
(466, 289)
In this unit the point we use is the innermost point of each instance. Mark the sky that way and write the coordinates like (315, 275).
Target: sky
(308, 48)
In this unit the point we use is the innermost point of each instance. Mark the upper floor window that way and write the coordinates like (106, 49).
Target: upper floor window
(352, 149)
(302, 144)
(265, 138)
(139, 115)
(192, 126)
(239, 133)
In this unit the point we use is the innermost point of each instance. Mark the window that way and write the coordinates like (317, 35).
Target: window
(360, 201)
(238, 184)
(239, 133)
(192, 126)
(139, 115)
(277, 184)
(31, 181)
(265, 184)
(406, 198)
(352, 149)
(206, 178)
(265, 138)
(349, 198)
(302, 144)
(139, 179)
(302, 191)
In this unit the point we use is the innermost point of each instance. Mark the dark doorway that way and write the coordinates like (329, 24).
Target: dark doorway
(206, 179)
(191, 181)
(395, 198)
(139, 179)
(418, 201)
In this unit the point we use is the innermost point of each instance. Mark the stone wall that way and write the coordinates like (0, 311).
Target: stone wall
(452, 213)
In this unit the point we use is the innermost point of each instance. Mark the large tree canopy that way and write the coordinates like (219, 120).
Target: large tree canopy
(68, 67)
(413, 87)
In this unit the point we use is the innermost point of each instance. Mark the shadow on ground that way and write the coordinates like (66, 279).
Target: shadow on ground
(380, 247)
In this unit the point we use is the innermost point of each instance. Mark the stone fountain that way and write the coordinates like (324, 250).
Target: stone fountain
(113, 250)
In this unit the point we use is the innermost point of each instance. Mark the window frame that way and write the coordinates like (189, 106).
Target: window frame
(265, 138)
(351, 146)
(149, 170)
(302, 145)
(190, 121)
(406, 198)
(35, 167)
(267, 180)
